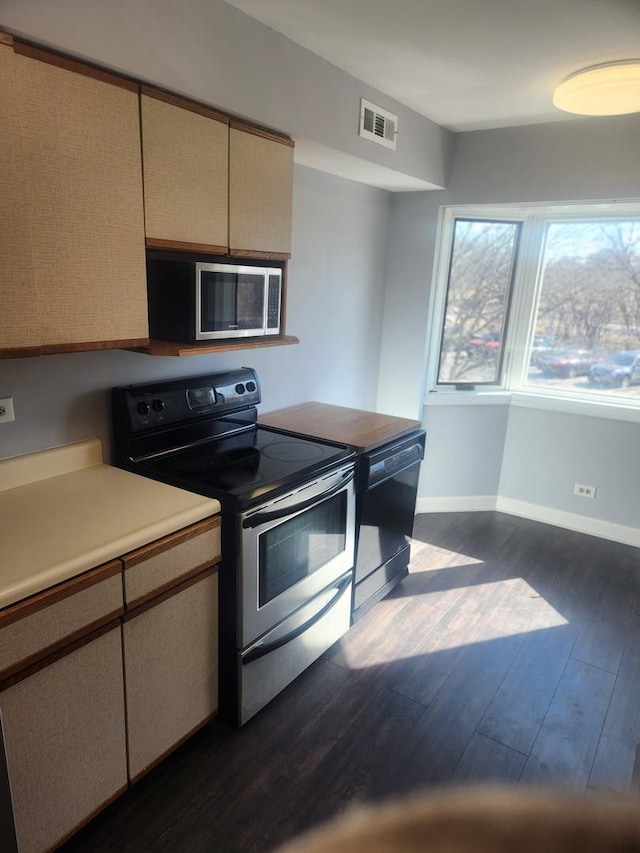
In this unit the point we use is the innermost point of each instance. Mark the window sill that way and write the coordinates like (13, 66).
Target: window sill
(468, 398)
(614, 411)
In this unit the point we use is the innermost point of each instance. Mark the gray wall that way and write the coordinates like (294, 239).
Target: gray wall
(211, 51)
(546, 453)
(464, 453)
(584, 159)
(336, 288)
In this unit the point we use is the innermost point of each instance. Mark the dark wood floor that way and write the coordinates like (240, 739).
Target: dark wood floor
(510, 653)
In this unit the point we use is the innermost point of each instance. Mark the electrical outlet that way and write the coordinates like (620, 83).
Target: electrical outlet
(584, 491)
(6, 410)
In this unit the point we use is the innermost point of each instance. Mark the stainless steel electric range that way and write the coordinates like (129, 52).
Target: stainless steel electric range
(288, 522)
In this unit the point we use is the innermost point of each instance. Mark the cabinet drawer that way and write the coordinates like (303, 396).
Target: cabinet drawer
(37, 626)
(159, 566)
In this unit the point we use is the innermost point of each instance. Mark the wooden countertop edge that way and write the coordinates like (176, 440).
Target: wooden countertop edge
(351, 430)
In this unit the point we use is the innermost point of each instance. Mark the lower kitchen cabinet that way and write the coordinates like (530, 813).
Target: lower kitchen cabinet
(171, 669)
(64, 733)
(102, 675)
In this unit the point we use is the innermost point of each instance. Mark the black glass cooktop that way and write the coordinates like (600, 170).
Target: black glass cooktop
(247, 467)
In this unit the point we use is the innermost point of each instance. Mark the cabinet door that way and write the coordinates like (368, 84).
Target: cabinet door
(185, 156)
(18, 303)
(65, 741)
(79, 275)
(260, 193)
(171, 666)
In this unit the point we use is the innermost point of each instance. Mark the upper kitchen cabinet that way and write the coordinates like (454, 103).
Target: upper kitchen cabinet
(260, 192)
(71, 212)
(185, 150)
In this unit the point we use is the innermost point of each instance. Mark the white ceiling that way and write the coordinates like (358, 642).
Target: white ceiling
(465, 64)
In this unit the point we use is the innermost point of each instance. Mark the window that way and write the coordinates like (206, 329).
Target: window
(541, 300)
(483, 256)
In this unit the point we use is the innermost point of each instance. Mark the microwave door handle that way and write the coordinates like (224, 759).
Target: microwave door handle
(261, 651)
(262, 517)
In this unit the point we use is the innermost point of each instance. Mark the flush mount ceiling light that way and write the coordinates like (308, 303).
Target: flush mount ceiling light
(602, 90)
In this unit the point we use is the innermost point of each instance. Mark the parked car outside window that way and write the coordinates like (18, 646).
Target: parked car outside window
(621, 370)
(568, 363)
(481, 345)
(541, 346)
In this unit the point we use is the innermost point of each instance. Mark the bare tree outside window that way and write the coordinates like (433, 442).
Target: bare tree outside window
(575, 329)
(587, 324)
(481, 268)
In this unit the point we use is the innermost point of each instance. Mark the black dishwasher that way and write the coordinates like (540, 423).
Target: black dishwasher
(386, 502)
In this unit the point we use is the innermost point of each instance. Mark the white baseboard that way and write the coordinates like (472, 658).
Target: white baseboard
(534, 512)
(571, 521)
(476, 503)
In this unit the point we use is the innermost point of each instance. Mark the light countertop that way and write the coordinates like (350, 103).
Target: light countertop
(62, 512)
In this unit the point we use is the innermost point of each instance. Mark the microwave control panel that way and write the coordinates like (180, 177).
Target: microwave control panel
(273, 302)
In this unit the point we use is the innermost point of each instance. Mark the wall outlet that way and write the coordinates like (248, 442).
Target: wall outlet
(6, 410)
(582, 491)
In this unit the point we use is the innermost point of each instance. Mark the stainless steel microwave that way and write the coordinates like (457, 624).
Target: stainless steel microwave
(201, 300)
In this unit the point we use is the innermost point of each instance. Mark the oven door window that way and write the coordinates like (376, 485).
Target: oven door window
(295, 549)
(231, 301)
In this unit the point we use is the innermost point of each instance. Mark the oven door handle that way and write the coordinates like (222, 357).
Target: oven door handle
(260, 651)
(261, 517)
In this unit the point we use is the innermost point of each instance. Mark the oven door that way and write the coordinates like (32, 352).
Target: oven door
(292, 549)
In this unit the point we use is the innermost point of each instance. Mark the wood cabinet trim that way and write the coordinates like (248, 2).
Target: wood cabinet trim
(168, 590)
(65, 589)
(62, 61)
(184, 103)
(259, 131)
(167, 752)
(53, 349)
(140, 555)
(253, 253)
(156, 243)
(6, 38)
(49, 654)
(187, 348)
(63, 651)
(68, 835)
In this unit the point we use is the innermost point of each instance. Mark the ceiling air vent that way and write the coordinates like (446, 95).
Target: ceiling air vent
(377, 124)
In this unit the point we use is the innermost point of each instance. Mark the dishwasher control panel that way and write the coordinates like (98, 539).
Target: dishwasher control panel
(392, 459)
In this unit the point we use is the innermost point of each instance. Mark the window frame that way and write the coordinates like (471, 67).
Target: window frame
(507, 305)
(519, 324)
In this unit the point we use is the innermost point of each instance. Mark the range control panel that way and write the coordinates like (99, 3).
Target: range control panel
(142, 407)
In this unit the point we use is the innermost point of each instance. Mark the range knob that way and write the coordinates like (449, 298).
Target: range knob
(143, 408)
(240, 389)
(251, 386)
(157, 405)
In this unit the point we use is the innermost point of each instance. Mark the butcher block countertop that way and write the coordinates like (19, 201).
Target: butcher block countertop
(62, 512)
(363, 430)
